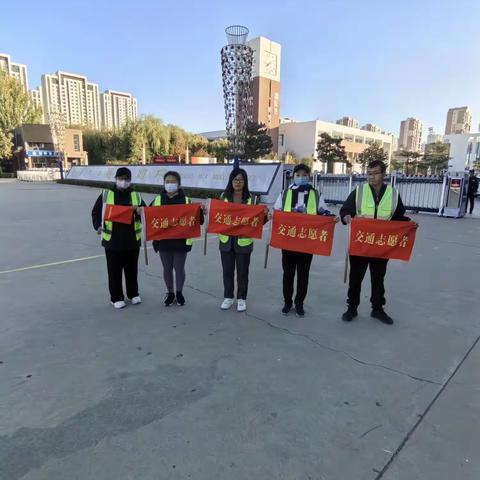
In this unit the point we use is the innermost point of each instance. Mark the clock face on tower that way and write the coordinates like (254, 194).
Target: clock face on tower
(269, 63)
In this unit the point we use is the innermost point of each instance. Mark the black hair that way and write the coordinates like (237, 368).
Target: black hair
(228, 193)
(378, 163)
(173, 174)
(301, 166)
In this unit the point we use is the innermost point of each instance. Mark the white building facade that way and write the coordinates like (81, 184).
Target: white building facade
(464, 151)
(15, 70)
(299, 139)
(117, 108)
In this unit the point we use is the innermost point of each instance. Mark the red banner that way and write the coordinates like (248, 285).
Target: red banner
(382, 239)
(118, 213)
(300, 232)
(236, 219)
(172, 221)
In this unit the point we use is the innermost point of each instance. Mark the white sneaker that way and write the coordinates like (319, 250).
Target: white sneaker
(120, 304)
(136, 300)
(226, 304)
(241, 305)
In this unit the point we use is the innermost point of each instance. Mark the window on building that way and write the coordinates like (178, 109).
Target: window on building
(76, 143)
(282, 137)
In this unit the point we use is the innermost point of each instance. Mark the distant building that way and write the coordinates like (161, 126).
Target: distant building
(464, 151)
(35, 148)
(348, 122)
(215, 135)
(369, 127)
(300, 140)
(459, 120)
(74, 96)
(15, 70)
(117, 108)
(433, 137)
(410, 135)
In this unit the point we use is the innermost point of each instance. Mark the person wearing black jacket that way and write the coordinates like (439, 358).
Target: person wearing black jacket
(384, 200)
(173, 252)
(472, 189)
(300, 197)
(121, 241)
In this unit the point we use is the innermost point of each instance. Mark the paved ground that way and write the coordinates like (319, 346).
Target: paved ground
(87, 392)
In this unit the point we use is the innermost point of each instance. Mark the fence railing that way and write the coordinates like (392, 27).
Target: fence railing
(420, 194)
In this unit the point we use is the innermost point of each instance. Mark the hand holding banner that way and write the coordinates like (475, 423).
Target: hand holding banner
(118, 213)
(300, 232)
(172, 221)
(382, 239)
(236, 219)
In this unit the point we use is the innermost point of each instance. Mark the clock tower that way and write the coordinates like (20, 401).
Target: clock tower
(265, 86)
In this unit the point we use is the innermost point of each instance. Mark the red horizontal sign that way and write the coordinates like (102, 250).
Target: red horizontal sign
(172, 221)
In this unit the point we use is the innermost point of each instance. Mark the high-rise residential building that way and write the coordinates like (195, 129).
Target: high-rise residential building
(370, 127)
(433, 137)
(410, 135)
(16, 70)
(348, 122)
(117, 108)
(74, 96)
(459, 120)
(265, 86)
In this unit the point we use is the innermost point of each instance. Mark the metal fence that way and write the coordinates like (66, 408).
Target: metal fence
(419, 194)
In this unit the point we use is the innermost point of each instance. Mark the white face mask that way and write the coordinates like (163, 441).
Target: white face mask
(171, 187)
(122, 184)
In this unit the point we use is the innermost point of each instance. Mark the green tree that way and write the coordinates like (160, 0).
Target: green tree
(330, 150)
(219, 149)
(436, 158)
(258, 142)
(406, 160)
(371, 153)
(16, 109)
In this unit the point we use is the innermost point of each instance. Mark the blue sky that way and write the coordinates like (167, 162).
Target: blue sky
(379, 61)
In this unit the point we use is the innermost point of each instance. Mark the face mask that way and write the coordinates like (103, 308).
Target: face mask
(123, 184)
(171, 187)
(300, 181)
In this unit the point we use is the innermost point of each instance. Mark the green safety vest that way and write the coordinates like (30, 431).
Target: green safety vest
(158, 202)
(312, 202)
(109, 199)
(366, 203)
(242, 241)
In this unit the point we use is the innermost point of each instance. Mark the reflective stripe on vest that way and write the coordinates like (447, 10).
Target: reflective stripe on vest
(242, 241)
(158, 202)
(109, 199)
(365, 202)
(312, 202)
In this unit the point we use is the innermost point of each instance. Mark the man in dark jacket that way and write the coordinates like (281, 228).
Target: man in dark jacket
(121, 241)
(472, 189)
(375, 200)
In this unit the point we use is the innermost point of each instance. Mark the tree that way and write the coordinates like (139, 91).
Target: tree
(219, 149)
(258, 142)
(371, 153)
(16, 109)
(330, 150)
(407, 158)
(436, 158)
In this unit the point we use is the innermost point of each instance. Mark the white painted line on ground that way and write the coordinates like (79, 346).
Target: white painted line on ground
(72, 260)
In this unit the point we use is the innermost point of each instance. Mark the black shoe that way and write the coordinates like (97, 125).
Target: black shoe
(286, 308)
(382, 316)
(350, 314)
(169, 299)
(299, 311)
(180, 299)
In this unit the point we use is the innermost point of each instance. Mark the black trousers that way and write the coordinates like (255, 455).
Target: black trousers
(358, 268)
(295, 262)
(241, 261)
(471, 199)
(119, 263)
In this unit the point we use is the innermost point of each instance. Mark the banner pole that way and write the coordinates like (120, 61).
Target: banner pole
(206, 228)
(347, 248)
(144, 236)
(267, 246)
